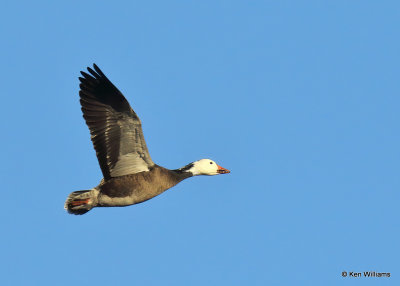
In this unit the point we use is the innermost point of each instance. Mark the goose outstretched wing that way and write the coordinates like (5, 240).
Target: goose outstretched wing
(116, 130)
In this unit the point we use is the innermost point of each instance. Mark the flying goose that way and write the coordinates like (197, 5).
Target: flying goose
(129, 174)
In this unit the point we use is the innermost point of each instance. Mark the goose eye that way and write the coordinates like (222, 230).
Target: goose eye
(210, 163)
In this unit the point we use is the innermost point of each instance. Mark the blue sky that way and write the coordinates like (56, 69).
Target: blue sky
(299, 99)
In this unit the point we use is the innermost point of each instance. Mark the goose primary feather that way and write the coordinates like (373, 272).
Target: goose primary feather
(129, 174)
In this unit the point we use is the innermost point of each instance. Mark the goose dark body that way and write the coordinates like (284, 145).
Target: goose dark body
(129, 174)
(144, 185)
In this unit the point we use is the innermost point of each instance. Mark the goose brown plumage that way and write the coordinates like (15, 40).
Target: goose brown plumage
(129, 174)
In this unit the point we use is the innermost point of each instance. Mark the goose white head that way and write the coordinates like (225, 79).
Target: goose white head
(205, 167)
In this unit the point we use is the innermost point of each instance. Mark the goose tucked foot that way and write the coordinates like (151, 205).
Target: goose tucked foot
(76, 203)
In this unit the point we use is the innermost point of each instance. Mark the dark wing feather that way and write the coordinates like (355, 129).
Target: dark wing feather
(116, 130)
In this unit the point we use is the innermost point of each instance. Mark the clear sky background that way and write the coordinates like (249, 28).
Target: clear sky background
(299, 99)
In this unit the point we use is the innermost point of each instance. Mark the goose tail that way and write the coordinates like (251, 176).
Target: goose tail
(80, 202)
